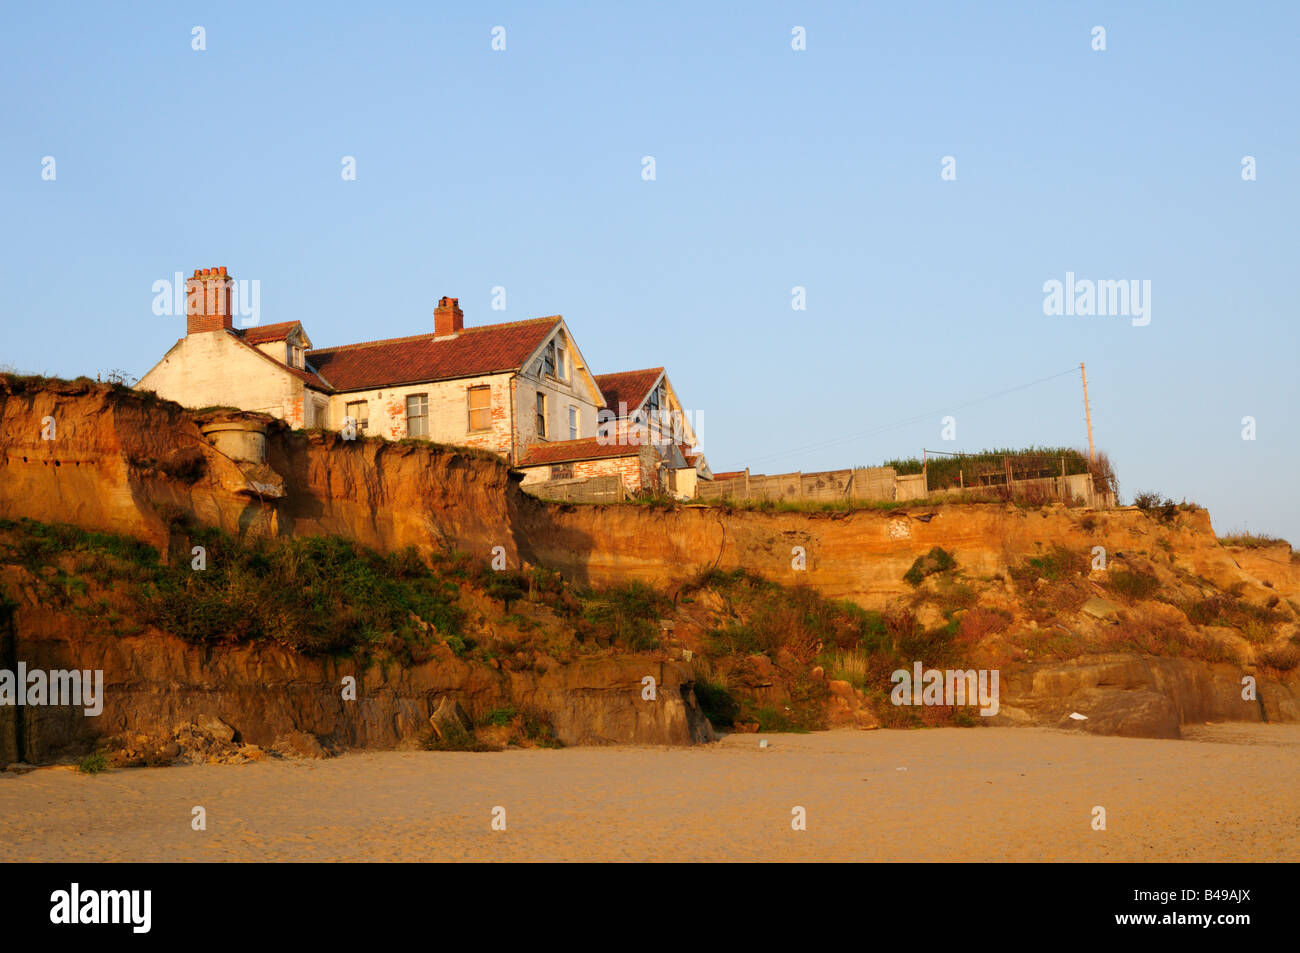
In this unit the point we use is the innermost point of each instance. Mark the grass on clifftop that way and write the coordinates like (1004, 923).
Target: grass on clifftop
(1252, 541)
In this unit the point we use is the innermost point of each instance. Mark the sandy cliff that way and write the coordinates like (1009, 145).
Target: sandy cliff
(123, 462)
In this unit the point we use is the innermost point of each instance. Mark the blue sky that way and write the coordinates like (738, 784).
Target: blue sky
(775, 168)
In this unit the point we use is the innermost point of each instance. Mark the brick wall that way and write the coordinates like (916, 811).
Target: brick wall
(448, 411)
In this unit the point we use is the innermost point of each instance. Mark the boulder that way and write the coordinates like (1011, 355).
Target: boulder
(298, 744)
(448, 714)
(1132, 714)
(215, 727)
(1100, 608)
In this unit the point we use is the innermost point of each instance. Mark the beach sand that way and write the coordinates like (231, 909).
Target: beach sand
(1226, 793)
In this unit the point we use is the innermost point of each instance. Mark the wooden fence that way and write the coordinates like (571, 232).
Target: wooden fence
(882, 483)
(600, 489)
(866, 483)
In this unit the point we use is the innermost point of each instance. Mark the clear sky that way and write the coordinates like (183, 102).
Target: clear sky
(774, 168)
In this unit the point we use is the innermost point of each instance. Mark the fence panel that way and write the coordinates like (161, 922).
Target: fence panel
(601, 489)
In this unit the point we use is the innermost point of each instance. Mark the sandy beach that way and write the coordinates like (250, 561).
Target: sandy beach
(1226, 793)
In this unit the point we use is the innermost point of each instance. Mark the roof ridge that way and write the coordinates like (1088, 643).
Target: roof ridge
(640, 370)
(433, 334)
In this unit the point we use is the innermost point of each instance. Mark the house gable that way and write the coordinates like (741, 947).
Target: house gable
(220, 369)
(637, 399)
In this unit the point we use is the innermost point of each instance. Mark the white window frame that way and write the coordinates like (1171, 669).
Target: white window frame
(424, 417)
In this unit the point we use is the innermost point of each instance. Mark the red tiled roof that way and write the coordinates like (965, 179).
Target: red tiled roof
(269, 332)
(629, 387)
(729, 475)
(489, 349)
(569, 451)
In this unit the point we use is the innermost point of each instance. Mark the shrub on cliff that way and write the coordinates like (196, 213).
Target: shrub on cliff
(319, 594)
(936, 560)
(1059, 564)
(1153, 504)
(315, 595)
(625, 615)
(1133, 586)
(1284, 658)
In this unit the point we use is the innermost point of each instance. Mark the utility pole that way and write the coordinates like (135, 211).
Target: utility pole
(1087, 413)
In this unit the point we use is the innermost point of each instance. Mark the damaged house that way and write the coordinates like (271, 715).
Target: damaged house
(520, 389)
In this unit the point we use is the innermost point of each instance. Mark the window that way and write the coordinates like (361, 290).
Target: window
(541, 414)
(561, 367)
(573, 423)
(548, 360)
(562, 471)
(417, 415)
(480, 408)
(359, 411)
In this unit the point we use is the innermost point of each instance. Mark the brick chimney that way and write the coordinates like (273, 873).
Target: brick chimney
(447, 317)
(208, 301)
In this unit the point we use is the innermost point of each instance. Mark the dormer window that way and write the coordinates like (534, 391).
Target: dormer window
(295, 356)
(554, 362)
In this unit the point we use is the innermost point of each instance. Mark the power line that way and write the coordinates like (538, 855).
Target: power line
(910, 420)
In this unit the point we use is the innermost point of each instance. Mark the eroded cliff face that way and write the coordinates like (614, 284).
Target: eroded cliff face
(118, 461)
(123, 462)
(155, 683)
(860, 555)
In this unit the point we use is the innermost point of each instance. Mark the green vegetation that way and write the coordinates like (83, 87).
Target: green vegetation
(528, 729)
(1162, 508)
(1232, 612)
(1133, 586)
(315, 595)
(1053, 566)
(1251, 541)
(777, 633)
(936, 560)
(1283, 658)
(454, 736)
(988, 467)
(93, 764)
(624, 615)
